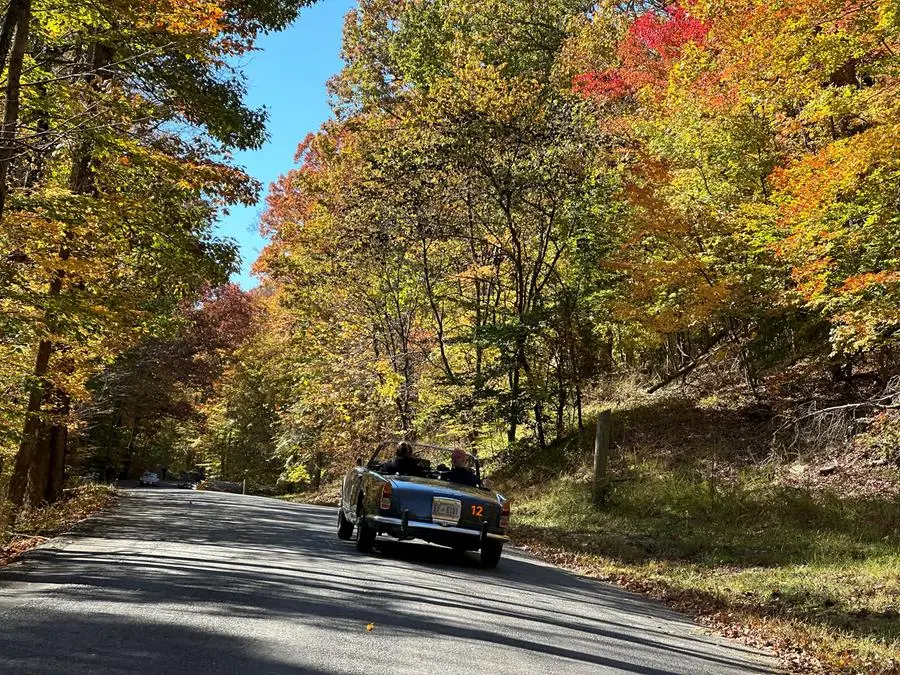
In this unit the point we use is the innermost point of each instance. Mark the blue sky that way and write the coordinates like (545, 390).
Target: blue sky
(287, 76)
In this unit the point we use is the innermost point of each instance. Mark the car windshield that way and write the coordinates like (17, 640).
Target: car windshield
(433, 460)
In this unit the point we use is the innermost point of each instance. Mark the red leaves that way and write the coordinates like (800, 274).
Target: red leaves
(223, 319)
(607, 83)
(648, 50)
(665, 34)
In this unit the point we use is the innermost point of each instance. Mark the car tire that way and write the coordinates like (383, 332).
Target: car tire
(345, 527)
(365, 536)
(490, 553)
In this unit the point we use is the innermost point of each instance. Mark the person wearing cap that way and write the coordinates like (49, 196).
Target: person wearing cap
(460, 473)
(403, 462)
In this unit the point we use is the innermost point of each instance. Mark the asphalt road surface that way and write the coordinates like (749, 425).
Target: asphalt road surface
(194, 582)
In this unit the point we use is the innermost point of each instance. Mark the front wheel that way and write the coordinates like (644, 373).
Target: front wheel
(345, 527)
(365, 536)
(490, 553)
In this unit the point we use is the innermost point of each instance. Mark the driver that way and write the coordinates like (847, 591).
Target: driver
(460, 473)
(403, 462)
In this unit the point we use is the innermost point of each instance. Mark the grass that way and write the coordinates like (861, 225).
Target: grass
(814, 576)
(34, 526)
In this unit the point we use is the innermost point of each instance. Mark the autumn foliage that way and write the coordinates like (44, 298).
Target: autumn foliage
(650, 47)
(515, 208)
(115, 163)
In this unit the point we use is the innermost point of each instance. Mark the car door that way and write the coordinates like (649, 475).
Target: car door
(351, 489)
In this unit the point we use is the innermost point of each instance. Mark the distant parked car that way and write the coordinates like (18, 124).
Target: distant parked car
(149, 479)
(428, 505)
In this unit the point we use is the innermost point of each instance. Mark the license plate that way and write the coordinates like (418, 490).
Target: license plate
(445, 511)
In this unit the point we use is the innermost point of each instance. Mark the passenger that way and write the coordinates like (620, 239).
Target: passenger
(403, 462)
(460, 473)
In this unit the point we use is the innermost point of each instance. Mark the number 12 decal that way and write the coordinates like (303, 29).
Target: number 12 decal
(477, 510)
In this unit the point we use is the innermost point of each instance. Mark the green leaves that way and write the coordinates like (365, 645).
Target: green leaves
(118, 174)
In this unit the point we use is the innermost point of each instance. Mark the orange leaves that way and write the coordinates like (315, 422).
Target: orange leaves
(211, 26)
(837, 169)
(820, 197)
(862, 282)
(762, 151)
(181, 17)
(812, 277)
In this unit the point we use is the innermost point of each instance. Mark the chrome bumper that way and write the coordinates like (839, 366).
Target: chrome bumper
(413, 525)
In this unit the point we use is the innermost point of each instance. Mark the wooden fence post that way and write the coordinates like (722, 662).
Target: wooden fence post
(601, 455)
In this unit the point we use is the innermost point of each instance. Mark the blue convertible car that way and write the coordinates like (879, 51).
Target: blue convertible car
(422, 503)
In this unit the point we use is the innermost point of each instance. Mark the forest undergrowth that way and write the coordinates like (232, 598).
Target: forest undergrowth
(794, 550)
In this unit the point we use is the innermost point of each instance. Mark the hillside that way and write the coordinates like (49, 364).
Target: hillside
(795, 549)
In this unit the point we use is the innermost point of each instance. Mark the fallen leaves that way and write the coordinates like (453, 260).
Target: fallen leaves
(17, 547)
(34, 527)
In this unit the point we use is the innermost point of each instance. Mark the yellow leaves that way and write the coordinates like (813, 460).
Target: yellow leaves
(475, 273)
(830, 102)
(390, 381)
(485, 88)
(889, 16)
(370, 627)
(837, 223)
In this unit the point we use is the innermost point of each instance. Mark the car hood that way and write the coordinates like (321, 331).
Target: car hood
(440, 488)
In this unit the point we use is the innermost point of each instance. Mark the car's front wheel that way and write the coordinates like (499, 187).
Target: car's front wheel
(365, 536)
(490, 553)
(345, 527)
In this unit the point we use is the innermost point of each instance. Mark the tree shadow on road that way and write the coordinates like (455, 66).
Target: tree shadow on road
(185, 560)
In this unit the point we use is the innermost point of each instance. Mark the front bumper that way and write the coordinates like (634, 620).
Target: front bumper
(411, 526)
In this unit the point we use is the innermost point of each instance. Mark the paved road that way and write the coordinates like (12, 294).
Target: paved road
(190, 582)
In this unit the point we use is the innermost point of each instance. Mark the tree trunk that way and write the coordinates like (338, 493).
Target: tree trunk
(437, 312)
(562, 398)
(59, 439)
(10, 21)
(39, 468)
(129, 461)
(578, 407)
(19, 484)
(685, 370)
(114, 421)
(316, 477)
(513, 416)
(19, 15)
(539, 424)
